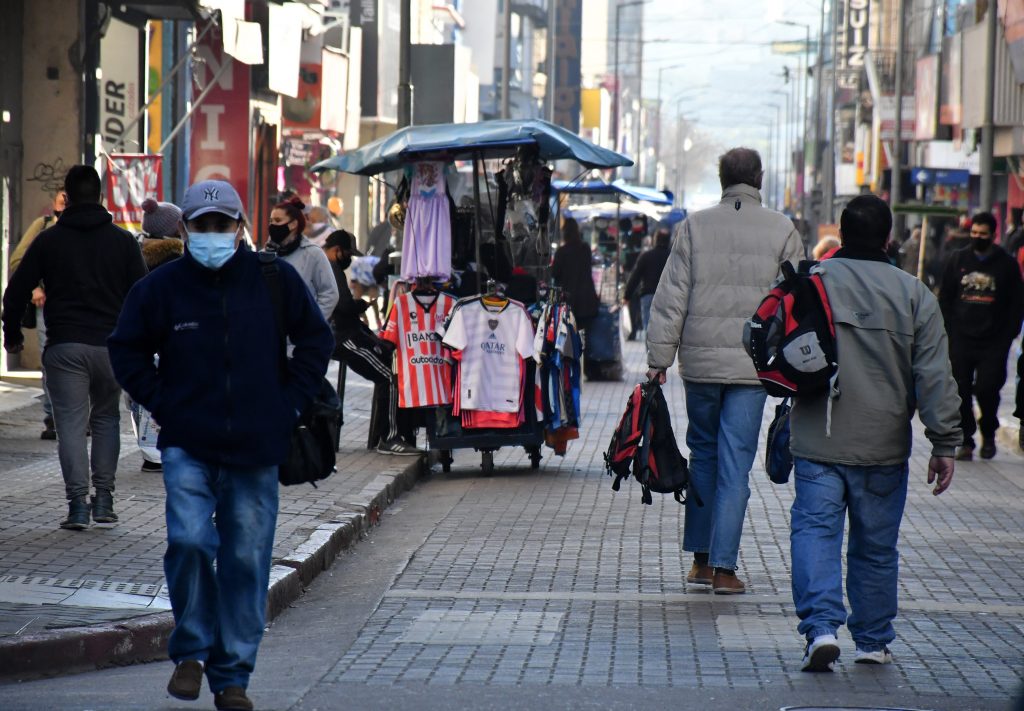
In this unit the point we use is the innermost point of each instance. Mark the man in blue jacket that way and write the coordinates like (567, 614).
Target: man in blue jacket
(226, 415)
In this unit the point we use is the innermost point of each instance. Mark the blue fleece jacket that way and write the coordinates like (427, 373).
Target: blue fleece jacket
(217, 392)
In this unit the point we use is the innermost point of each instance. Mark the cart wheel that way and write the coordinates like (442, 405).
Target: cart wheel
(535, 457)
(446, 460)
(487, 463)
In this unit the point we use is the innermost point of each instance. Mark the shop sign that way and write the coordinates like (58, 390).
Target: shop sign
(852, 37)
(568, 40)
(130, 179)
(220, 123)
(303, 111)
(1012, 14)
(926, 84)
(120, 91)
(933, 176)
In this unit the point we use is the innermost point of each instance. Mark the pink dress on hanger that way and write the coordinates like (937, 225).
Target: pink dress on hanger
(427, 240)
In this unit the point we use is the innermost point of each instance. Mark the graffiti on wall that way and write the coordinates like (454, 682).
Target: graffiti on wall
(49, 176)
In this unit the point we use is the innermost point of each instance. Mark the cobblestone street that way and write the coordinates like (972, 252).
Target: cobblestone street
(501, 591)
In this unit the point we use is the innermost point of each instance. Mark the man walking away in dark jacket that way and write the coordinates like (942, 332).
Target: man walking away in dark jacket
(981, 298)
(643, 282)
(851, 452)
(87, 266)
(227, 399)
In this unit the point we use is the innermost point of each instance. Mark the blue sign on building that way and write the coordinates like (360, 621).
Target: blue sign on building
(935, 176)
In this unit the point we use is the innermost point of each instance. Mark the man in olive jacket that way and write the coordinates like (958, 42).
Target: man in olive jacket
(893, 361)
(723, 262)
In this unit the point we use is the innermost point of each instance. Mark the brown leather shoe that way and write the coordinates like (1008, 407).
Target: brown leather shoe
(700, 574)
(727, 583)
(232, 698)
(186, 681)
(965, 453)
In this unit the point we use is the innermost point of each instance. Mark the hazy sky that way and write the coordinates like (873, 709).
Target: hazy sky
(728, 70)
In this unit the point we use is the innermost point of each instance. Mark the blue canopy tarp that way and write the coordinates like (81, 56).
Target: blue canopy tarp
(600, 187)
(489, 139)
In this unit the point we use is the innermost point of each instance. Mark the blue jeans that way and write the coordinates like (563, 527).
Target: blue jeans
(724, 421)
(645, 308)
(226, 516)
(874, 497)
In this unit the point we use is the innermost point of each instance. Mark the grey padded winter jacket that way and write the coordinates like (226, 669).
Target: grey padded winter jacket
(723, 262)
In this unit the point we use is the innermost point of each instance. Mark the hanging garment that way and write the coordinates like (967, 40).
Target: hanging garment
(493, 341)
(427, 239)
(413, 325)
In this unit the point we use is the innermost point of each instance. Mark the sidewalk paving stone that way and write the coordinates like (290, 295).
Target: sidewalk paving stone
(59, 589)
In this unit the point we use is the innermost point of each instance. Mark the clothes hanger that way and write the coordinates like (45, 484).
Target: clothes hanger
(493, 297)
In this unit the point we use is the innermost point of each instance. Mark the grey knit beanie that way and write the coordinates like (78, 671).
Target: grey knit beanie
(160, 219)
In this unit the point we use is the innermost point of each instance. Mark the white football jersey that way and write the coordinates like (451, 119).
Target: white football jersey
(493, 342)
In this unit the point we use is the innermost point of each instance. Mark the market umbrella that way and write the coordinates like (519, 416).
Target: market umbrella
(620, 187)
(489, 139)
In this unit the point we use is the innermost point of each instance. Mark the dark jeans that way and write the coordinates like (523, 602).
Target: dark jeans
(979, 368)
(84, 393)
(1019, 411)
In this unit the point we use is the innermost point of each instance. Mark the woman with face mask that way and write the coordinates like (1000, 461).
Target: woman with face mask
(287, 222)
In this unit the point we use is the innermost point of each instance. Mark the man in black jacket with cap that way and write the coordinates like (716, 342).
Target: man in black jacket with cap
(87, 265)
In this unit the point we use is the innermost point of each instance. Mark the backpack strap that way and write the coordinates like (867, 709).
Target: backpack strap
(272, 279)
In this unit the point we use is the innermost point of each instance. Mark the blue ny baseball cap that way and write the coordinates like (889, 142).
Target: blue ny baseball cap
(211, 196)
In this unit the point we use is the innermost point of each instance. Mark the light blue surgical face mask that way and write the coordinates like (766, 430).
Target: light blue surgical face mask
(211, 249)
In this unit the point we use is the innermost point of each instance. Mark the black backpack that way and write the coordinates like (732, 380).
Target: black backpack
(791, 337)
(644, 446)
(311, 454)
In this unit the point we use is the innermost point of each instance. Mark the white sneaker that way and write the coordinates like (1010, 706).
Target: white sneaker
(879, 656)
(397, 446)
(821, 653)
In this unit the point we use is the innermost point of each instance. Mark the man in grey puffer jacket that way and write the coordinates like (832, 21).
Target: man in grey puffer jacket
(723, 262)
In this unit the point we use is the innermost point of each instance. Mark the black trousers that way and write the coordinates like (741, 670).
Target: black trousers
(979, 368)
(370, 357)
(1019, 412)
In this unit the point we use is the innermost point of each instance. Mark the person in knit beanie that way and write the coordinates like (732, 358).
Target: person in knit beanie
(161, 241)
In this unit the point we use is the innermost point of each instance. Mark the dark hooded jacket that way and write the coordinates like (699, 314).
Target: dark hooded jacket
(87, 265)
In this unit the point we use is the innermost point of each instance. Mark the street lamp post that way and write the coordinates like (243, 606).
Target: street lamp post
(773, 151)
(807, 96)
(785, 137)
(615, 97)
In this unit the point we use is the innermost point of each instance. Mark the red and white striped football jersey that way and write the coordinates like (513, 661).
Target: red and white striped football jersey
(413, 325)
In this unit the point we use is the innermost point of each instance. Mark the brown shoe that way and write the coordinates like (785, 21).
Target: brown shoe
(726, 583)
(700, 574)
(232, 698)
(965, 453)
(186, 681)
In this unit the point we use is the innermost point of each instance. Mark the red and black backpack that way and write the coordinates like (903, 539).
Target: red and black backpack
(644, 446)
(791, 337)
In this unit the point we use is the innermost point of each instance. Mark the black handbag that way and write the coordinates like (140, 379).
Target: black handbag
(311, 453)
(778, 460)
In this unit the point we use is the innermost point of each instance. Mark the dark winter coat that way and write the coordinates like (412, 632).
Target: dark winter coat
(571, 271)
(87, 265)
(981, 299)
(218, 392)
(647, 272)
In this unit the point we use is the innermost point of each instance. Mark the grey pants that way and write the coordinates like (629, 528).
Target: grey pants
(83, 392)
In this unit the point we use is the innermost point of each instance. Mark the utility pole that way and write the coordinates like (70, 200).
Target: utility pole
(615, 97)
(829, 192)
(552, 23)
(896, 191)
(405, 66)
(507, 66)
(988, 117)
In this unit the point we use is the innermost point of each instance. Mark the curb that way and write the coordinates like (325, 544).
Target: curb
(79, 649)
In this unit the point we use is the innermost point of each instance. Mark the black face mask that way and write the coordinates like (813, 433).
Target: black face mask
(278, 233)
(344, 261)
(979, 244)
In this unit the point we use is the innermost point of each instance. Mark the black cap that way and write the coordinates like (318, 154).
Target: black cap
(343, 239)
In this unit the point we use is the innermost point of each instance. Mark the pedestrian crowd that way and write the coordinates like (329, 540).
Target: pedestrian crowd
(184, 321)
